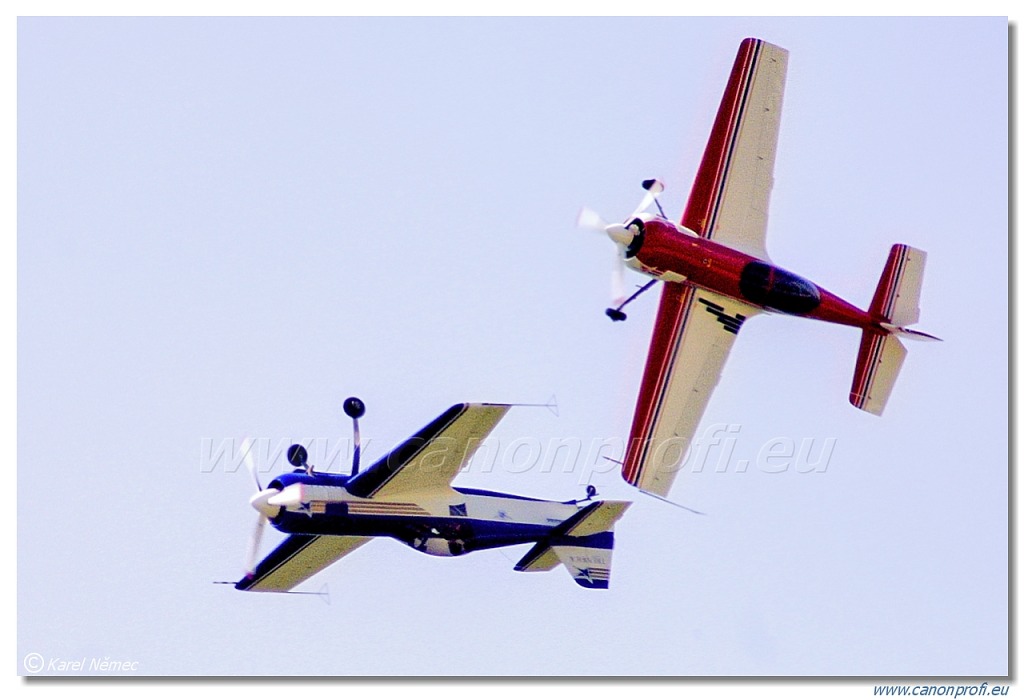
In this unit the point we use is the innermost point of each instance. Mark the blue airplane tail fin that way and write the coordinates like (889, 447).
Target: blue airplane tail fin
(583, 543)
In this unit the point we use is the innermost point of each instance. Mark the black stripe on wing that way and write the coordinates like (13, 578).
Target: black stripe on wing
(280, 556)
(367, 483)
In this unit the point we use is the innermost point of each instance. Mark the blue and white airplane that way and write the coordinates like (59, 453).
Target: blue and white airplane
(407, 495)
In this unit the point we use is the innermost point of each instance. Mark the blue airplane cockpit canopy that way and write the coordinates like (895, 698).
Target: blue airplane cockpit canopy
(299, 476)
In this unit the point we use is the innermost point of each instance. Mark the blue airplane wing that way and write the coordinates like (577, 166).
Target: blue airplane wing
(298, 558)
(433, 457)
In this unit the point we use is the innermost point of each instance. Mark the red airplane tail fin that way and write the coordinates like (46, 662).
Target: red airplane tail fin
(899, 290)
(879, 361)
(894, 306)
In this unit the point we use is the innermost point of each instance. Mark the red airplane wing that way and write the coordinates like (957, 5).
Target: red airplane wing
(693, 334)
(730, 195)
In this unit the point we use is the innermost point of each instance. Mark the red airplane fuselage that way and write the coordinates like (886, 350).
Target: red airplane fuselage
(670, 252)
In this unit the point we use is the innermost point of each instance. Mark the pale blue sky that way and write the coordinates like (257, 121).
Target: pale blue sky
(226, 226)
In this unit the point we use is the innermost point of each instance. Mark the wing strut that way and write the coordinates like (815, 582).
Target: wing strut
(616, 314)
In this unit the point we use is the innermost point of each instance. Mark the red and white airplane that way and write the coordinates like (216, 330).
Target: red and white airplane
(717, 274)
